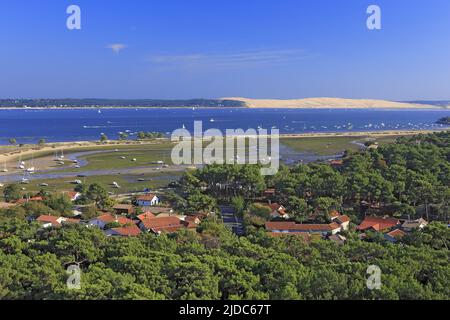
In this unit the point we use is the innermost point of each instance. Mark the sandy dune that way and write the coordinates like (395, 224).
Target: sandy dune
(333, 103)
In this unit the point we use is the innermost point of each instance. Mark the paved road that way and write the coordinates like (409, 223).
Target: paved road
(231, 220)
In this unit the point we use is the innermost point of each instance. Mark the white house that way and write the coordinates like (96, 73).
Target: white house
(147, 200)
(103, 220)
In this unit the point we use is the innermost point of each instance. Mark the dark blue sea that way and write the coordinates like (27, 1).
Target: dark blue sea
(31, 125)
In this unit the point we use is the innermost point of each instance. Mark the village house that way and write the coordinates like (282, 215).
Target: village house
(147, 200)
(48, 221)
(123, 209)
(342, 220)
(107, 218)
(378, 223)
(394, 235)
(73, 195)
(410, 225)
(160, 225)
(292, 227)
(125, 231)
(277, 211)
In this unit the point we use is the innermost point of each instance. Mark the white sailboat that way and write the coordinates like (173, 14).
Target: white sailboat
(21, 164)
(31, 169)
(61, 157)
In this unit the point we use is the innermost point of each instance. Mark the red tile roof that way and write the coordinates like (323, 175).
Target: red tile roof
(56, 221)
(295, 227)
(109, 218)
(49, 219)
(164, 224)
(128, 231)
(397, 233)
(146, 215)
(343, 219)
(378, 223)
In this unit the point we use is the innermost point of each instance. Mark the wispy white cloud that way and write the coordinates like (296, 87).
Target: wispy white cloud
(230, 60)
(116, 47)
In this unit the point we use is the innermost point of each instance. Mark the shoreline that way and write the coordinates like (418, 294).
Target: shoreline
(29, 149)
(310, 107)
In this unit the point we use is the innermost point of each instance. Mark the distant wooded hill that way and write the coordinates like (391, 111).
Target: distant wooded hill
(22, 103)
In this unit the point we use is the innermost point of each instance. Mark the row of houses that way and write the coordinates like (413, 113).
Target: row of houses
(118, 225)
(392, 229)
(338, 224)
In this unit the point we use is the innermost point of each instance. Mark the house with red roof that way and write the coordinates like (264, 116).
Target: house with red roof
(277, 210)
(73, 195)
(48, 221)
(394, 235)
(125, 231)
(293, 227)
(169, 224)
(378, 223)
(104, 219)
(145, 216)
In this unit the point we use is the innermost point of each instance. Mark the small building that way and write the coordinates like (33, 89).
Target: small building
(73, 195)
(277, 211)
(394, 235)
(343, 221)
(147, 200)
(292, 227)
(123, 209)
(104, 219)
(145, 216)
(48, 221)
(160, 225)
(410, 225)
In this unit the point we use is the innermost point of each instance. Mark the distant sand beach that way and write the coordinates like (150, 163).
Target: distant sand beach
(330, 103)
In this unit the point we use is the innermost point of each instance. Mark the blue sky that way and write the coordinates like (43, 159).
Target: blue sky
(219, 48)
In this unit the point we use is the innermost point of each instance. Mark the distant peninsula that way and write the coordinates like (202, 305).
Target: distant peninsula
(334, 103)
(234, 102)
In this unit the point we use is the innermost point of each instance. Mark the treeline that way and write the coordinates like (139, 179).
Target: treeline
(20, 103)
(215, 264)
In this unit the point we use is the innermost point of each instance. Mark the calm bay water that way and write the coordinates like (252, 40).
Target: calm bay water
(30, 125)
